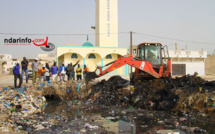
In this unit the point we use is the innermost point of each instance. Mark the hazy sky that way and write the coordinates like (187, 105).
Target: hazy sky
(183, 20)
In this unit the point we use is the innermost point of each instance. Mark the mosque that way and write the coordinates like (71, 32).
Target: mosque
(106, 48)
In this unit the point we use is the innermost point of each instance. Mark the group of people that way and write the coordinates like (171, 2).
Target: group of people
(46, 72)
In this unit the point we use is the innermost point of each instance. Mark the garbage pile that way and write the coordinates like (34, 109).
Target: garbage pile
(177, 94)
(20, 107)
(16, 107)
(24, 106)
(70, 90)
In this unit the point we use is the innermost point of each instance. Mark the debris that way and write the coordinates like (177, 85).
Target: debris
(90, 126)
(25, 106)
(168, 94)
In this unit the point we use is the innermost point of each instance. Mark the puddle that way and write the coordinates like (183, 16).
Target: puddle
(82, 118)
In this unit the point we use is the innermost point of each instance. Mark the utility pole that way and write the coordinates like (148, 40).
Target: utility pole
(176, 46)
(131, 52)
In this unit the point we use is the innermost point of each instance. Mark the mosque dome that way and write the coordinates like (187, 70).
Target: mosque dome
(87, 44)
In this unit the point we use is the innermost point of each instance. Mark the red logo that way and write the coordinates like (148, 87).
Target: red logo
(45, 43)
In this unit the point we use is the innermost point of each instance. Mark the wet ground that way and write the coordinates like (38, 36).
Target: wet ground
(76, 117)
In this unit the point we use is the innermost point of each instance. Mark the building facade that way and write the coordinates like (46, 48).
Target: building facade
(210, 65)
(91, 56)
(188, 61)
(6, 63)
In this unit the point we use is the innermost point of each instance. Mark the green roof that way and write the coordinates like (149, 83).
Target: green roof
(87, 44)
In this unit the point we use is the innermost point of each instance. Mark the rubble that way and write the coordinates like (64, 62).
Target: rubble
(169, 94)
(188, 96)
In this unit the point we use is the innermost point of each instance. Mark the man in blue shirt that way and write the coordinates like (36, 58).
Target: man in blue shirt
(16, 73)
(62, 72)
(54, 70)
(25, 68)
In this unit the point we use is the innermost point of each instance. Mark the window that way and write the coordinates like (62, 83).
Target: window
(74, 56)
(109, 56)
(150, 53)
(91, 56)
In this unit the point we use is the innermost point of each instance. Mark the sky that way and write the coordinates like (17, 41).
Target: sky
(189, 23)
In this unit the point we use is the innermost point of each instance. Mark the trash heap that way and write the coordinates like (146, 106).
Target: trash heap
(70, 90)
(180, 94)
(23, 106)
(16, 107)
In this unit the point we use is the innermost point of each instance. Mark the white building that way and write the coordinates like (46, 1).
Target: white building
(46, 58)
(6, 63)
(188, 61)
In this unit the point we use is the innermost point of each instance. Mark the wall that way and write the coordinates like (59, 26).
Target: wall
(192, 67)
(1, 67)
(83, 51)
(8, 63)
(100, 53)
(210, 64)
(42, 55)
(93, 63)
(60, 60)
(68, 59)
(194, 60)
(188, 53)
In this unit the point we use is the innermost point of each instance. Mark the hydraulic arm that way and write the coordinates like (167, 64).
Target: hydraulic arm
(128, 59)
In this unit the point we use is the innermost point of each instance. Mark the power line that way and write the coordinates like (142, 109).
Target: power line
(175, 39)
(60, 34)
(38, 34)
(93, 34)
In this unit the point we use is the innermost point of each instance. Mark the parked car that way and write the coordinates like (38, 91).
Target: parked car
(30, 74)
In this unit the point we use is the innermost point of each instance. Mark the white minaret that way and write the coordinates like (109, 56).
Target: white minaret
(106, 23)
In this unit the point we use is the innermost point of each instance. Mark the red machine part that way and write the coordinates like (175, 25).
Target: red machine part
(141, 65)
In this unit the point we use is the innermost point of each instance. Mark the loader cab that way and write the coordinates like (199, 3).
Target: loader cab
(150, 52)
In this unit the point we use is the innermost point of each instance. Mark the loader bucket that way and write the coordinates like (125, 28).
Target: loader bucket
(90, 75)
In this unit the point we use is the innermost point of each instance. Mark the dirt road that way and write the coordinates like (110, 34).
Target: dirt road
(8, 80)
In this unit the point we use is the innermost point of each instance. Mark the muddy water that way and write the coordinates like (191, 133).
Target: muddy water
(76, 117)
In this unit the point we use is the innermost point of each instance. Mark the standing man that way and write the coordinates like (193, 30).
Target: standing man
(86, 70)
(25, 68)
(68, 71)
(16, 73)
(47, 74)
(54, 70)
(34, 66)
(62, 71)
(72, 72)
(78, 71)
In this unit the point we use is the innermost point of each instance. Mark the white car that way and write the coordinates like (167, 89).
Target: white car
(30, 74)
